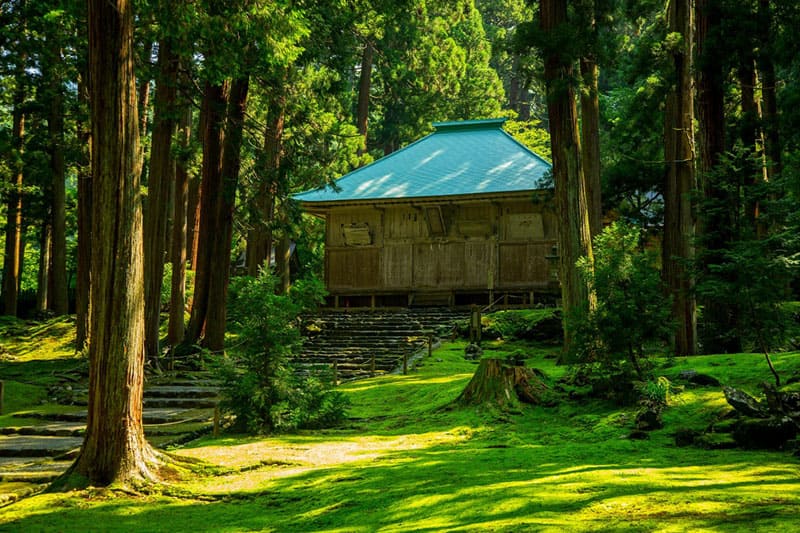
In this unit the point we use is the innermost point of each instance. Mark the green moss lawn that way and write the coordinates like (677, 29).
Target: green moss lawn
(405, 461)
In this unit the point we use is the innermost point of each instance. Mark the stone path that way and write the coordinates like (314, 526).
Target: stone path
(176, 409)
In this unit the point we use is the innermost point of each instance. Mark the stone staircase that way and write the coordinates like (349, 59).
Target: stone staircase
(360, 344)
(177, 408)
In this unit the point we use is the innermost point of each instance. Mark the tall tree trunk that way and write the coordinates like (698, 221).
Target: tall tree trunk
(772, 147)
(679, 184)
(13, 249)
(214, 101)
(283, 257)
(749, 134)
(177, 301)
(162, 169)
(717, 224)
(590, 141)
(83, 281)
(114, 448)
(364, 85)
(231, 162)
(43, 279)
(193, 220)
(58, 299)
(259, 238)
(574, 237)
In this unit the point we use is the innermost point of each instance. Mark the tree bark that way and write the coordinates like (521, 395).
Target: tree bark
(83, 280)
(43, 281)
(679, 183)
(114, 448)
(590, 141)
(283, 257)
(718, 225)
(772, 147)
(364, 85)
(221, 252)
(214, 102)
(58, 300)
(259, 239)
(177, 303)
(574, 236)
(497, 382)
(750, 134)
(162, 170)
(13, 249)
(193, 219)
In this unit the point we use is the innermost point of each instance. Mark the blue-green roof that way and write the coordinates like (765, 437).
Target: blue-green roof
(458, 158)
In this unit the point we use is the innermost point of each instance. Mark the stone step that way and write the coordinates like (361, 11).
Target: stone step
(185, 403)
(67, 429)
(181, 391)
(36, 446)
(149, 416)
(28, 470)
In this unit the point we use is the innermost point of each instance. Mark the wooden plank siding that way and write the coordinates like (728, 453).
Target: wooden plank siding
(473, 246)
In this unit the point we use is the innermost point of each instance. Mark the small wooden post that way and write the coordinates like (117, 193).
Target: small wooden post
(430, 344)
(216, 421)
(335, 373)
(2, 392)
(372, 365)
(475, 325)
(405, 363)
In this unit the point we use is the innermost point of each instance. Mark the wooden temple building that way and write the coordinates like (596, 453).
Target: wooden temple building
(451, 219)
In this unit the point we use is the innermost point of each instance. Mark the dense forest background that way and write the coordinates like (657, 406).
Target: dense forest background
(680, 118)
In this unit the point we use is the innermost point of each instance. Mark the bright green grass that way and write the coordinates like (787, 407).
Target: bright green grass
(404, 462)
(408, 461)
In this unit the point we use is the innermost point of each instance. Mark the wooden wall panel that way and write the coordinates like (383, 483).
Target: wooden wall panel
(512, 264)
(425, 265)
(397, 266)
(524, 264)
(477, 263)
(405, 223)
(354, 268)
(450, 262)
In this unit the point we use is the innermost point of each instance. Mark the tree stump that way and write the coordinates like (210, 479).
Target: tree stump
(499, 382)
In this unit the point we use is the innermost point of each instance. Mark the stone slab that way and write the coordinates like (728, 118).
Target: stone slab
(34, 446)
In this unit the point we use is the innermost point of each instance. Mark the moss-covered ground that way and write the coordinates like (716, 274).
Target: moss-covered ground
(407, 461)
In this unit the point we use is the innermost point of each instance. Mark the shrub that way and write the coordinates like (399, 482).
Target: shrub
(631, 311)
(260, 386)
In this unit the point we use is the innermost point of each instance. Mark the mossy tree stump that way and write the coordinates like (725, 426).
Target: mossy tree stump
(500, 382)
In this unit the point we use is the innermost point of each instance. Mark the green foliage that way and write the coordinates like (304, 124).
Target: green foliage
(655, 392)
(631, 308)
(527, 324)
(261, 389)
(746, 268)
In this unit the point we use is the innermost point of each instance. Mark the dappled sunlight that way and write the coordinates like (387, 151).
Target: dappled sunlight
(258, 462)
(404, 381)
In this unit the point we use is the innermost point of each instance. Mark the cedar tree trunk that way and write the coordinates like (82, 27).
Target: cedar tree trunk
(259, 239)
(718, 224)
(364, 84)
(114, 448)
(574, 237)
(162, 169)
(83, 280)
(214, 102)
(219, 275)
(58, 300)
(177, 301)
(590, 141)
(13, 248)
(679, 183)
